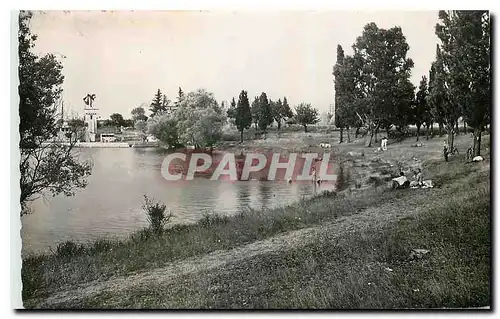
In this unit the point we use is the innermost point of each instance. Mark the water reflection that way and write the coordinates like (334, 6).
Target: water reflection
(111, 204)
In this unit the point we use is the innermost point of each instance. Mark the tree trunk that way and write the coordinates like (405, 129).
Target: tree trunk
(279, 124)
(457, 129)
(418, 131)
(341, 135)
(376, 131)
(477, 141)
(465, 127)
(241, 136)
(371, 133)
(451, 137)
(348, 135)
(427, 131)
(440, 129)
(357, 132)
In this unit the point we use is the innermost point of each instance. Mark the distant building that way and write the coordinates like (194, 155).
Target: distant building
(91, 114)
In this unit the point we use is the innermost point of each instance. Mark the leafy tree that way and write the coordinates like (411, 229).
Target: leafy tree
(476, 32)
(447, 90)
(437, 92)
(464, 65)
(382, 76)
(46, 166)
(117, 120)
(164, 127)
(141, 126)
(200, 119)
(231, 112)
(421, 110)
(139, 114)
(265, 113)
(286, 112)
(399, 112)
(242, 114)
(281, 111)
(255, 110)
(305, 114)
(76, 129)
(348, 96)
(341, 94)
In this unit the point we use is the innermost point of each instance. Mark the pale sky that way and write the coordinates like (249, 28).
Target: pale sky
(124, 57)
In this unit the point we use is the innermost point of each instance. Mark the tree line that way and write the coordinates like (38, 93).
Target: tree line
(197, 119)
(263, 112)
(373, 89)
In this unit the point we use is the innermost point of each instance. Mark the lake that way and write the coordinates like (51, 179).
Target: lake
(110, 205)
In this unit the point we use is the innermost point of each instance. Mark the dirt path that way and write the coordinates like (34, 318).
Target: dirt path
(371, 217)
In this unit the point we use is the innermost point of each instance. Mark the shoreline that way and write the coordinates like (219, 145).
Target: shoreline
(362, 233)
(109, 145)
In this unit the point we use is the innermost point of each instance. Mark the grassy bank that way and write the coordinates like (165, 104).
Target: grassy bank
(76, 263)
(369, 268)
(451, 221)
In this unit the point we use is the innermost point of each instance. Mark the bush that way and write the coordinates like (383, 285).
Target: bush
(101, 245)
(209, 220)
(155, 212)
(69, 249)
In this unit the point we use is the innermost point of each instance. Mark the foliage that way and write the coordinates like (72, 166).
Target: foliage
(421, 110)
(262, 115)
(76, 129)
(180, 97)
(199, 119)
(141, 126)
(45, 166)
(69, 249)
(117, 120)
(242, 114)
(139, 114)
(280, 111)
(462, 68)
(164, 128)
(160, 104)
(231, 112)
(374, 83)
(305, 114)
(156, 215)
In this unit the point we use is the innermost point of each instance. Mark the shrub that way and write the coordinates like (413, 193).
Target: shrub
(155, 212)
(209, 220)
(69, 249)
(101, 245)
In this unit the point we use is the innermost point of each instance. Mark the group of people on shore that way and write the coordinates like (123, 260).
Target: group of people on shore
(417, 182)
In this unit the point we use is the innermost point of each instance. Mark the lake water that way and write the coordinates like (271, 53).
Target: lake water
(110, 205)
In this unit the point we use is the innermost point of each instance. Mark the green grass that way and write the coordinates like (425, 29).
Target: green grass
(74, 263)
(350, 271)
(286, 274)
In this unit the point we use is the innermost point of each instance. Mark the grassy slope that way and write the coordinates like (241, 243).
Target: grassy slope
(347, 272)
(313, 277)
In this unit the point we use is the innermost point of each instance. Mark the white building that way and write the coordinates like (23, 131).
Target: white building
(91, 115)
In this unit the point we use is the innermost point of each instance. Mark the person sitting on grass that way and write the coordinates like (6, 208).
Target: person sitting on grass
(419, 178)
(401, 181)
